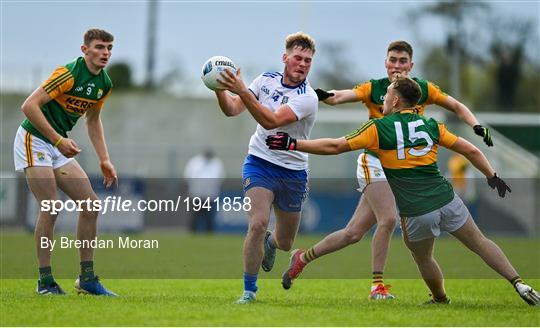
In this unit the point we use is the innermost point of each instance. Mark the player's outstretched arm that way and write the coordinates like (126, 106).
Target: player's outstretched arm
(31, 109)
(466, 115)
(336, 97)
(323, 146)
(94, 127)
(477, 158)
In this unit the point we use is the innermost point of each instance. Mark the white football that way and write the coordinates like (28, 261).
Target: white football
(211, 69)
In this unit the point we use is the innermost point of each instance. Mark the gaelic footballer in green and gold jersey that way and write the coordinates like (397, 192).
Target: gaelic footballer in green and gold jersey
(74, 90)
(407, 144)
(398, 62)
(46, 155)
(372, 93)
(407, 147)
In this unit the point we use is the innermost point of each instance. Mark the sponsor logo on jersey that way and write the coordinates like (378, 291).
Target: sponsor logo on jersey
(276, 95)
(75, 104)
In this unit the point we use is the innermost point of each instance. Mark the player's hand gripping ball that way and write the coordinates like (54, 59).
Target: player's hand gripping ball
(211, 69)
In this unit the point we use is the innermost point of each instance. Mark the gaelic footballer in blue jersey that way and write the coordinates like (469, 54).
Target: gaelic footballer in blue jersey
(283, 100)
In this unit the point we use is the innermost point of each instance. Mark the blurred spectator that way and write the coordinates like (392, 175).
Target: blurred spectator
(461, 175)
(204, 173)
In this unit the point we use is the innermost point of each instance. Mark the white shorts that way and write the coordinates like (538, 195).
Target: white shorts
(449, 218)
(369, 170)
(29, 150)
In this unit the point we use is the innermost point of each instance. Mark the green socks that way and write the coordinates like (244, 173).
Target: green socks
(45, 276)
(87, 270)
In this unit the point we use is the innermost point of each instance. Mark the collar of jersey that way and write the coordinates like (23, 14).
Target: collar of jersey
(291, 87)
(86, 67)
(408, 111)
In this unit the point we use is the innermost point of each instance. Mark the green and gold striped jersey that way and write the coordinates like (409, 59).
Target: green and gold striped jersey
(406, 144)
(372, 93)
(74, 90)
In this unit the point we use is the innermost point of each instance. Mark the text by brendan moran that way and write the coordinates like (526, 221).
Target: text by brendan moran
(121, 242)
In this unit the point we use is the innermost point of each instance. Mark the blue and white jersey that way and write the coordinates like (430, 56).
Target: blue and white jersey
(302, 99)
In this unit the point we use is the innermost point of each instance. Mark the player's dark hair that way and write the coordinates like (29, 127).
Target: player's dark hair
(300, 39)
(409, 91)
(97, 34)
(400, 46)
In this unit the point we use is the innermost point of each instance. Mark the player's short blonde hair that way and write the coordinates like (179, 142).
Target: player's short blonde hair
(299, 39)
(408, 89)
(97, 34)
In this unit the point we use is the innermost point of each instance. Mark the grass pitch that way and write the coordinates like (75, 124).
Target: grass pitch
(311, 302)
(153, 293)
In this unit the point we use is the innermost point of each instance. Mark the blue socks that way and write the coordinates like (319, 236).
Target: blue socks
(250, 282)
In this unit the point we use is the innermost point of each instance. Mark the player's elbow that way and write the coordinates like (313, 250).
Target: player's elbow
(230, 108)
(269, 126)
(468, 150)
(25, 108)
(276, 120)
(270, 123)
(90, 122)
(28, 108)
(334, 151)
(231, 111)
(473, 152)
(334, 148)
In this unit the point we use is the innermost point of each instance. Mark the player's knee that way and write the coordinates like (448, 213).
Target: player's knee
(257, 227)
(88, 211)
(479, 242)
(89, 214)
(284, 244)
(286, 247)
(353, 236)
(387, 224)
(48, 216)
